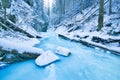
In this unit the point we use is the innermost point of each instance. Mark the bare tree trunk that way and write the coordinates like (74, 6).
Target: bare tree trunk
(81, 6)
(63, 7)
(101, 15)
(110, 7)
(4, 4)
(61, 10)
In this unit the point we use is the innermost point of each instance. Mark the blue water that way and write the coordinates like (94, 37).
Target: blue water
(85, 63)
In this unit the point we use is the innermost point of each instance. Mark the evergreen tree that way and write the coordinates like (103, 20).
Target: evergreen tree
(101, 15)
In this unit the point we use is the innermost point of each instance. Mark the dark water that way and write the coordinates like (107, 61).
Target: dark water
(85, 63)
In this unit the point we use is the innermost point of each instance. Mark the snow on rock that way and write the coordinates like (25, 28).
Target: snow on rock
(46, 58)
(63, 51)
(2, 65)
(19, 45)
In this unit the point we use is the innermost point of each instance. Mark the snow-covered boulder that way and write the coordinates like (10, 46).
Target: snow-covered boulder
(46, 58)
(63, 51)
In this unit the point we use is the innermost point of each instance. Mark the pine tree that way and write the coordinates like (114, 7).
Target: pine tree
(101, 15)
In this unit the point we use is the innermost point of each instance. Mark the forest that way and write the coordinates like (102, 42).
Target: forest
(79, 39)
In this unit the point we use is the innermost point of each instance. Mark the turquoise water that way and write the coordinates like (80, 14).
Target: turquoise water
(85, 63)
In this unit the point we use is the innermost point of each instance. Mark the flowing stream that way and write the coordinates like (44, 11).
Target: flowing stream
(84, 63)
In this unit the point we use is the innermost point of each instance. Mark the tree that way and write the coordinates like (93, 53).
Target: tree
(38, 10)
(81, 6)
(101, 15)
(62, 8)
(110, 7)
(4, 4)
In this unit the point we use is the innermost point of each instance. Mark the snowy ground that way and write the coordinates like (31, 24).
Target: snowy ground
(87, 30)
(19, 42)
(78, 35)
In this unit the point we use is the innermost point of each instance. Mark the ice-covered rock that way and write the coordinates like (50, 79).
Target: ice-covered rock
(46, 58)
(2, 65)
(63, 51)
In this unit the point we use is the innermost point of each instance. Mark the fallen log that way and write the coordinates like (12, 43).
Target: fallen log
(5, 27)
(13, 26)
(90, 44)
(16, 28)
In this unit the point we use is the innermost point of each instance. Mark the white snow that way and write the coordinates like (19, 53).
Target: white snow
(88, 28)
(27, 45)
(91, 34)
(114, 48)
(62, 51)
(18, 42)
(46, 58)
(1, 65)
(20, 47)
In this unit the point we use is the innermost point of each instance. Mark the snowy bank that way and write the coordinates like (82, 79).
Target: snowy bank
(116, 50)
(19, 46)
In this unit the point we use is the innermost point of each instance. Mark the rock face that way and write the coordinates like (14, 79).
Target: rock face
(63, 51)
(46, 58)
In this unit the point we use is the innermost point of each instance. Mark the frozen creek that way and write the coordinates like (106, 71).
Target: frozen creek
(84, 63)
